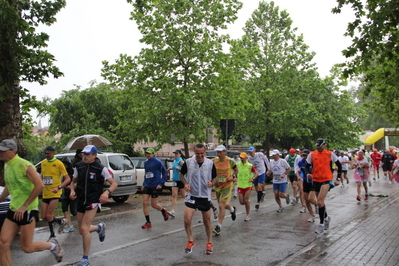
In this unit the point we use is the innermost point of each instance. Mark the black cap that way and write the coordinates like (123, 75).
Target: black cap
(320, 142)
(49, 149)
(305, 152)
(178, 151)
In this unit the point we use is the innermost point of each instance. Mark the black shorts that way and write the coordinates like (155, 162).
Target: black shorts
(152, 191)
(47, 201)
(386, 167)
(202, 204)
(317, 185)
(178, 184)
(293, 178)
(307, 187)
(72, 204)
(28, 217)
(82, 208)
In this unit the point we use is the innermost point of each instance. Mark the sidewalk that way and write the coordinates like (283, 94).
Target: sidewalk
(371, 238)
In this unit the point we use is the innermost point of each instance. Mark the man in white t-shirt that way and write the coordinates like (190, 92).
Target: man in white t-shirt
(344, 160)
(280, 169)
(260, 162)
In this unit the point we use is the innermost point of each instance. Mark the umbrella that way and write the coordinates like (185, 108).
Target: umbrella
(82, 141)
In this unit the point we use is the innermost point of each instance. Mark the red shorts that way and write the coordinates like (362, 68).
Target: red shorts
(243, 190)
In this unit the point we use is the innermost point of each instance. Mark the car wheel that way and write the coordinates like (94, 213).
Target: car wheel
(120, 199)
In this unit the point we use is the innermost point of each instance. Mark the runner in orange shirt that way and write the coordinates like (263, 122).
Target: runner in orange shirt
(322, 175)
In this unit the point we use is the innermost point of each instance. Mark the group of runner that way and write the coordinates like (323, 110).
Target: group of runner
(24, 185)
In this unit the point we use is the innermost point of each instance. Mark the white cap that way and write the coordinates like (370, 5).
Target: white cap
(274, 152)
(220, 148)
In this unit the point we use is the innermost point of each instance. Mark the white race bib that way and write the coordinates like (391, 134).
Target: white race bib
(48, 180)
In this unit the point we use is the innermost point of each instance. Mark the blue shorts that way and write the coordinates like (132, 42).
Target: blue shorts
(280, 187)
(260, 179)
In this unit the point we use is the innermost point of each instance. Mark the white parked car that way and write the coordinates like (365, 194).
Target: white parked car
(139, 164)
(121, 168)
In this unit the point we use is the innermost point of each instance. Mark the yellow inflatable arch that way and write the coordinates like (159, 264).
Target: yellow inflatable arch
(380, 133)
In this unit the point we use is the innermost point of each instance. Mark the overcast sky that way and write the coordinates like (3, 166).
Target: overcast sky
(90, 31)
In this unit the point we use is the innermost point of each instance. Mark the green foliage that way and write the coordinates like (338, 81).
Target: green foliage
(91, 111)
(290, 105)
(183, 83)
(375, 52)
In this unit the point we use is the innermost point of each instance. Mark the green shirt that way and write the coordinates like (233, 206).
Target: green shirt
(18, 184)
(244, 175)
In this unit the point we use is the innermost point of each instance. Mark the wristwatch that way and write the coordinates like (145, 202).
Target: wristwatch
(59, 187)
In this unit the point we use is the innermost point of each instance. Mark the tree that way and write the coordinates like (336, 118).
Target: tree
(279, 75)
(88, 111)
(375, 52)
(22, 58)
(182, 84)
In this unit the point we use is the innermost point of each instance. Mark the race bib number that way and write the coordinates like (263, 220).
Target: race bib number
(277, 177)
(221, 179)
(149, 175)
(48, 180)
(189, 200)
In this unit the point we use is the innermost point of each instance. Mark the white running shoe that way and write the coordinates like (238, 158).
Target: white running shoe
(327, 221)
(303, 209)
(312, 219)
(320, 229)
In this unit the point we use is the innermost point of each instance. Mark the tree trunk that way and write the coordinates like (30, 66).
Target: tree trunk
(186, 150)
(11, 122)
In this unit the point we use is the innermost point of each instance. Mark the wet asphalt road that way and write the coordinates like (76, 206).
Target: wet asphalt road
(270, 238)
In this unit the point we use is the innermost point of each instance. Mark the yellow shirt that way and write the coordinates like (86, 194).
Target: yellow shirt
(52, 173)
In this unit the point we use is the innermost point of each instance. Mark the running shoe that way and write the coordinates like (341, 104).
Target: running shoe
(63, 222)
(303, 209)
(101, 234)
(247, 219)
(347, 181)
(385, 177)
(262, 199)
(165, 214)
(312, 219)
(293, 202)
(320, 229)
(280, 209)
(287, 199)
(366, 197)
(233, 213)
(327, 221)
(84, 262)
(172, 213)
(374, 178)
(297, 199)
(146, 225)
(342, 185)
(68, 229)
(190, 246)
(217, 230)
(215, 213)
(390, 182)
(58, 252)
(358, 198)
(257, 206)
(209, 249)
(370, 184)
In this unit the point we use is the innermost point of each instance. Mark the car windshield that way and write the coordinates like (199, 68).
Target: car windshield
(120, 162)
(139, 163)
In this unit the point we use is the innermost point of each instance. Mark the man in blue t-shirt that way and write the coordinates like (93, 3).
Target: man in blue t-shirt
(154, 179)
